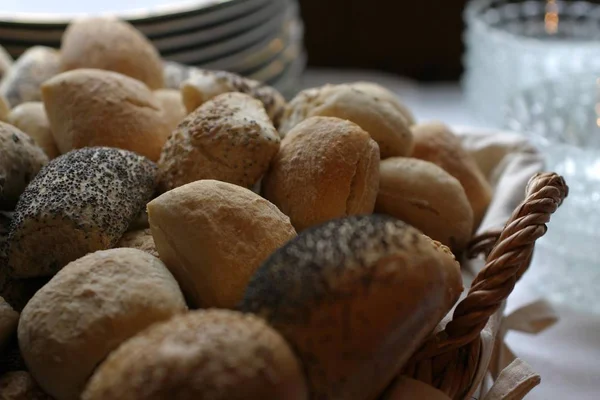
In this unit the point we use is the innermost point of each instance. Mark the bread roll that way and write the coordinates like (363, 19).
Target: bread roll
(204, 85)
(9, 319)
(384, 94)
(174, 74)
(326, 168)
(4, 109)
(422, 194)
(22, 82)
(20, 161)
(19, 385)
(213, 235)
(80, 202)
(141, 240)
(171, 104)
(88, 107)
(202, 355)
(355, 297)
(87, 310)
(229, 138)
(111, 44)
(436, 143)
(6, 61)
(30, 117)
(379, 117)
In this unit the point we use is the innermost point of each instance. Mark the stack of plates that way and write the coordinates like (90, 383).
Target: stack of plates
(261, 39)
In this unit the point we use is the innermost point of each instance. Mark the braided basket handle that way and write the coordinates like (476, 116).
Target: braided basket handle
(510, 253)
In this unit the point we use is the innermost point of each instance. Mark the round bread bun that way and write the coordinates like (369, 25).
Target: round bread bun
(91, 107)
(22, 82)
(171, 104)
(202, 355)
(204, 85)
(6, 61)
(111, 44)
(355, 297)
(382, 93)
(422, 194)
(379, 117)
(87, 310)
(9, 319)
(326, 168)
(229, 138)
(436, 143)
(141, 240)
(80, 202)
(31, 118)
(20, 161)
(19, 385)
(239, 230)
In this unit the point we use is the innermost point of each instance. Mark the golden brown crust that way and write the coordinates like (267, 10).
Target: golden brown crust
(202, 355)
(326, 168)
(384, 94)
(171, 104)
(4, 109)
(436, 143)
(90, 107)
(111, 44)
(141, 240)
(355, 297)
(88, 309)
(377, 116)
(31, 118)
(422, 194)
(213, 236)
(229, 138)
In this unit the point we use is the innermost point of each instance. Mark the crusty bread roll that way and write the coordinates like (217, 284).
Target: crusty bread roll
(19, 385)
(355, 297)
(229, 138)
(20, 161)
(80, 202)
(171, 104)
(111, 44)
(326, 168)
(384, 94)
(4, 109)
(436, 143)
(141, 240)
(204, 85)
(91, 107)
(9, 319)
(422, 194)
(380, 118)
(6, 61)
(87, 310)
(213, 235)
(202, 355)
(22, 82)
(30, 117)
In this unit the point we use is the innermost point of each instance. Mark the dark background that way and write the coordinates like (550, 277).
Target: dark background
(421, 39)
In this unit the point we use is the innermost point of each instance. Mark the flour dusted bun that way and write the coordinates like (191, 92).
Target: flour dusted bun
(23, 80)
(87, 310)
(435, 142)
(202, 355)
(427, 197)
(20, 161)
(355, 297)
(171, 104)
(111, 44)
(229, 138)
(382, 119)
(91, 107)
(384, 94)
(213, 236)
(31, 118)
(326, 168)
(80, 202)
(203, 85)
(141, 239)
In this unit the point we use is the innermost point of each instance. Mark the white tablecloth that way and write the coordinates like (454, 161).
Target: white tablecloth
(567, 355)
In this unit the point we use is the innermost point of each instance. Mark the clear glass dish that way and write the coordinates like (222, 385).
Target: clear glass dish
(511, 45)
(562, 118)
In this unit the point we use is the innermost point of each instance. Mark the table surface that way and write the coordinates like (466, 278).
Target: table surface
(567, 355)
